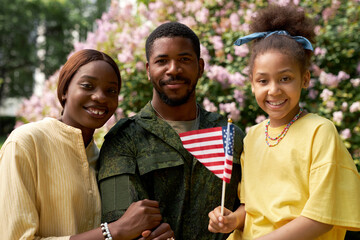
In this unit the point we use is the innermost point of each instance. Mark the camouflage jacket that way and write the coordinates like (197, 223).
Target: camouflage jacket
(143, 157)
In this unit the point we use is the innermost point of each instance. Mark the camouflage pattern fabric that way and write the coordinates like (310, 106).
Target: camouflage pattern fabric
(143, 157)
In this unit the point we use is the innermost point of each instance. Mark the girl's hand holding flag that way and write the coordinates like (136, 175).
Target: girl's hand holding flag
(227, 222)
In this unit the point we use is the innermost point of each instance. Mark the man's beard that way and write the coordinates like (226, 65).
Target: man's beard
(169, 101)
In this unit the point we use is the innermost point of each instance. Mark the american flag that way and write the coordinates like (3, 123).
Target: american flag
(209, 147)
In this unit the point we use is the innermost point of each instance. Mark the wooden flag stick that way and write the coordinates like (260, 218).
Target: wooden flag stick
(223, 198)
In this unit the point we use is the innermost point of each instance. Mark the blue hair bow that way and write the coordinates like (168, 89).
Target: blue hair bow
(304, 41)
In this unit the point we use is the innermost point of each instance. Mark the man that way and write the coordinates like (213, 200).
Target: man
(143, 157)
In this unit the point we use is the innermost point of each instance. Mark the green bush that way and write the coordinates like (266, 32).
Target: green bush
(334, 91)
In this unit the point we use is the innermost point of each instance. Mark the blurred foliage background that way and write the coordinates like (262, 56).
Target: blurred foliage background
(121, 32)
(59, 28)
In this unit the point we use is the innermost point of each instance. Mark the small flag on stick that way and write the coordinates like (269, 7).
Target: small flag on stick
(213, 147)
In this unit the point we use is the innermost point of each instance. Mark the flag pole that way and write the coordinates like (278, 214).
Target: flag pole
(226, 154)
(223, 198)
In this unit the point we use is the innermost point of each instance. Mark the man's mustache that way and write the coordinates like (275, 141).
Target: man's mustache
(173, 80)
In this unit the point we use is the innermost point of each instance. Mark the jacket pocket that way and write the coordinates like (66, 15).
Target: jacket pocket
(159, 160)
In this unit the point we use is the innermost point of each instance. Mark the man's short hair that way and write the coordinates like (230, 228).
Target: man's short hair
(170, 30)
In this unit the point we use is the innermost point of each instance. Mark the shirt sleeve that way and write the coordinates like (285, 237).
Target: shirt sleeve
(20, 219)
(119, 180)
(334, 183)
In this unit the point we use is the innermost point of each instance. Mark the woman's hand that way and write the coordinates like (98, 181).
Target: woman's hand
(162, 232)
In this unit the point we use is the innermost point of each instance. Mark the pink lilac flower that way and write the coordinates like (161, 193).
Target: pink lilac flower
(355, 107)
(188, 21)
(229, 57)
(231, 109)
(316, 71)
(140, 66)
(329, 79)
(219, 74)
(260, 118)
(344, 106)
(247, 129)
(246, 70)
(229, 6)
(343, 76)
(179, 4)
(217, 42)
(338, 116)
(320, 51)
(317, 30)
(327, 13)
(313, 94)
(235, 21)
(153, 6)
(125, 56)
(239, 97)
(209, 106)
(237, 78)
(193, 7)
(326, 94)
(346, 133)
(204, 54)
(241, 51)
(202, 15)
(355, 82)
(312, 82)
(330, 105)
(280, 2)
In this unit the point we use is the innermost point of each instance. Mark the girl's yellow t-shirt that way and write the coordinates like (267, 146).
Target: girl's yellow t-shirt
(309, 173)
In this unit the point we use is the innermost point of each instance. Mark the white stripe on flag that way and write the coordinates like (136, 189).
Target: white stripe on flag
(201, 135)
(192, 145)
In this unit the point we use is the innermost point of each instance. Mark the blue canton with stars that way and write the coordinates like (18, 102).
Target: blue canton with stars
(231, 139)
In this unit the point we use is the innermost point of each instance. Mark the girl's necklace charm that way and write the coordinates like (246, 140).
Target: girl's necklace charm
(283, 133)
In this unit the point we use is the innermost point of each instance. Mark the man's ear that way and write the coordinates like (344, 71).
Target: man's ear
(148, 70)
(201, 67)
(306, 79)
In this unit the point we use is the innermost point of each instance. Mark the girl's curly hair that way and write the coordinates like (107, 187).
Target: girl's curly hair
(288, 18)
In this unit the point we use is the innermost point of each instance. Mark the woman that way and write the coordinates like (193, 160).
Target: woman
(48, 185)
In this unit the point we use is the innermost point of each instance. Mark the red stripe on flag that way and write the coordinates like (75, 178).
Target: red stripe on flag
(210, 164)
(215, 146)
(228, 162)
(227, 180)
(228, 171)
(211, 155)
(217, 171)
(207, 130)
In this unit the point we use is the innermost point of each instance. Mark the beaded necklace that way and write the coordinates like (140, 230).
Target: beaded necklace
(283, 133)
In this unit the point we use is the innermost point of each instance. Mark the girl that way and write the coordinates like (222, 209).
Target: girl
(48, 184)
(299, 181)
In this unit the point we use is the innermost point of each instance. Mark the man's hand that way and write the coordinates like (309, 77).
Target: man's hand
(139, 217)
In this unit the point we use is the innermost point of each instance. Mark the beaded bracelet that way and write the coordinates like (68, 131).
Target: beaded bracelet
(105, 231)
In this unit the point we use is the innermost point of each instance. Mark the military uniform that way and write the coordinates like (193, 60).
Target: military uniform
(143, 157)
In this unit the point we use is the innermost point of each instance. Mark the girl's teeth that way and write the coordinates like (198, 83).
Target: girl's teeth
(276, 103)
